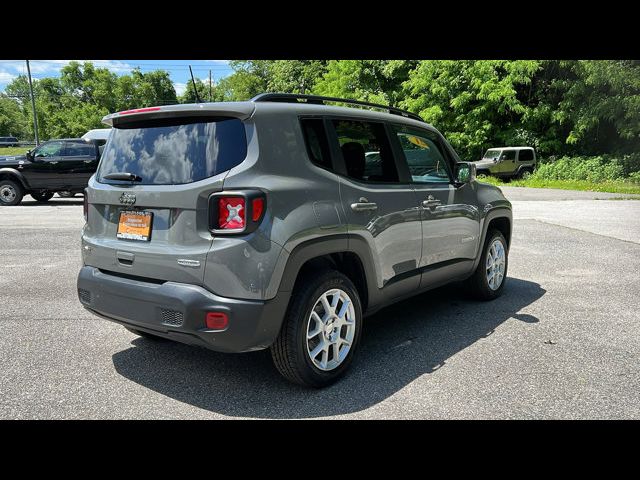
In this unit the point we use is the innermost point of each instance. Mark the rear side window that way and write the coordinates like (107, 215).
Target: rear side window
(164, 153)
(315, 138)
(366, 151)
(76, 149)
(525, 155)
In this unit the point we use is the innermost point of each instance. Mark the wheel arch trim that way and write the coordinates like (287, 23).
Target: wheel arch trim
(12, 172)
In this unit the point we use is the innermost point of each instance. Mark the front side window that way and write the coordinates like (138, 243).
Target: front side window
(51, 149)
(424, 155)
(175, 151)
(508, 155)
(366, 151)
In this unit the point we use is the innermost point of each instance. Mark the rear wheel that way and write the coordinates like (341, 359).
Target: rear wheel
(321, 330)
(11, 193)
(487, 282)
(41, 196)
(66, 194)
(525, 174)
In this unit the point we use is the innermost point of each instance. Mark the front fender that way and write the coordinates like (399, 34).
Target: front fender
(12, 172)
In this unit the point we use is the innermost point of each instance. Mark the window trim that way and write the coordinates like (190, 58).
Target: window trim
(446, 154)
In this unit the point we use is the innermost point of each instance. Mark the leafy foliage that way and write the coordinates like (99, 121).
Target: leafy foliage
(563, 108)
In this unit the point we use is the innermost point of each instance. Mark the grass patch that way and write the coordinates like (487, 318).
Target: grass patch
(611, 186)
(14, 151)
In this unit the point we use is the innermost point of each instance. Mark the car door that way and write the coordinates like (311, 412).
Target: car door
(379, 207)
(41, 171)
(79, 162)
(507, 163)
(450, 219)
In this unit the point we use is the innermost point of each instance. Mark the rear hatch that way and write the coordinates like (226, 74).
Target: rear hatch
(154, 224)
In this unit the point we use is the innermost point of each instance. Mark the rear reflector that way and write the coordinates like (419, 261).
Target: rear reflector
(140, 110)
(85, 206)
(258, 208)
(231, 213)
(217, 320)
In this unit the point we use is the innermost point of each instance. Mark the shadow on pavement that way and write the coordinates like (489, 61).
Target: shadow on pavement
(27, 202)
(399, 344)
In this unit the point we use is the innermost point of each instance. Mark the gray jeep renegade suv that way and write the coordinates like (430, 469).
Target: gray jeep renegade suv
(280, 223)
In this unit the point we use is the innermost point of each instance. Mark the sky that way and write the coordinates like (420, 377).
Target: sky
(178, 69)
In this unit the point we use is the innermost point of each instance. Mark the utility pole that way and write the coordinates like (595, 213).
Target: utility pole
(33, 105)
(209, 85)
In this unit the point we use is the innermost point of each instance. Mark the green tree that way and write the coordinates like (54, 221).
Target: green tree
(189, 95)
(250, 77)
(13, 121)
(378, 81)
(476, 104)
(603, 106)
(295, 76)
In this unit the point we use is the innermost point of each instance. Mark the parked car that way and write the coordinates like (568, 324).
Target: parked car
(101, 134)
(53, 166)
(9, 142)
(508, 162)
(270, 223)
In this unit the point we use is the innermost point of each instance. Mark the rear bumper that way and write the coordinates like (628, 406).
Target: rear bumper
(177, 311)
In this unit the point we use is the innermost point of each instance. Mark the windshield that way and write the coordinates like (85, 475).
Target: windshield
(491, 154)
(174, 154)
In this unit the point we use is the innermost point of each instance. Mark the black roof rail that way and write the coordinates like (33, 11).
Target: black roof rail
(320, 100)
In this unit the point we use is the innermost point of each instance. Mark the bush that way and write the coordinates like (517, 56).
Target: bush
(591, 169)
(635, 177)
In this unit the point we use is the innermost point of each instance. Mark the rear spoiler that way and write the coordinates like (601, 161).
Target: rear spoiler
(240, 110)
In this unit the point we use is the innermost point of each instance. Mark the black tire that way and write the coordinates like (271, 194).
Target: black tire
(289, 351)
(140, 333)
(524, 174)
(66, 194)
(11, 192)
(41, 197)
(477, 284)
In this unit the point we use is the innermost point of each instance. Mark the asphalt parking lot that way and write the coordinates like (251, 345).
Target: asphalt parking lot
(563, 342)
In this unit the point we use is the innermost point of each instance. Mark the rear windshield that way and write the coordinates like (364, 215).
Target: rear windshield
(172, 154)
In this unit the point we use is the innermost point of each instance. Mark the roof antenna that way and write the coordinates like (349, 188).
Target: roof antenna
(195, 89)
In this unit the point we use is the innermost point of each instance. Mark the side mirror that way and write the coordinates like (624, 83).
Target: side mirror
(465, 172)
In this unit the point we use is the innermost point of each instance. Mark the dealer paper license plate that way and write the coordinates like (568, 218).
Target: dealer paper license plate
(135, 225)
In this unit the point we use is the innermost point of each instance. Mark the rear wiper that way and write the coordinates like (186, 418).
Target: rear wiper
(126, 176)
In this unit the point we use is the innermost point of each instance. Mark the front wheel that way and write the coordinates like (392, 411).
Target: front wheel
(66, 194)
(41, 196)
(487, 282)
(11, 193)
(321, 330)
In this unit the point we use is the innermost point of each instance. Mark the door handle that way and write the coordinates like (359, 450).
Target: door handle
(88, 161)
(431, 202)
(363, 205)
(54, 162)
